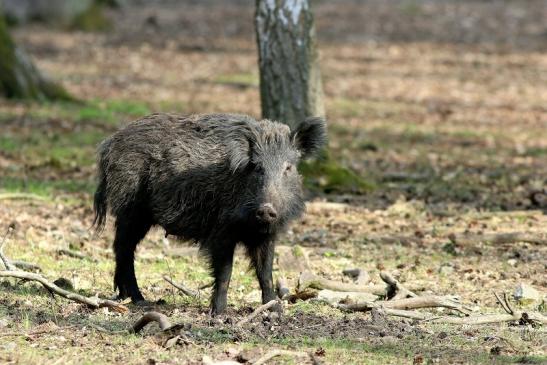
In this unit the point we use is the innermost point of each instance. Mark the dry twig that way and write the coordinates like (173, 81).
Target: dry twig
(182, 288)
(257, 311)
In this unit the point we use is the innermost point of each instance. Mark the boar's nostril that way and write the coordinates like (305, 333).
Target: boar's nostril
(266, 213)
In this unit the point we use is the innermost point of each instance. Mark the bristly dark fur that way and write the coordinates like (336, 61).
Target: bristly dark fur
(203, 178)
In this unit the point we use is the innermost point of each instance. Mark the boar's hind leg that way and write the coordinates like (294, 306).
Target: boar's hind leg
(130, 229)
(262, 260)
(221, 259)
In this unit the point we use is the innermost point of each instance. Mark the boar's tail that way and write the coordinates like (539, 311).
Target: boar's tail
(100, 204)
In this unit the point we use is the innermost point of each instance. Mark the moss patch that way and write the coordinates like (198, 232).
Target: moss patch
(329, 176)
(91, 20)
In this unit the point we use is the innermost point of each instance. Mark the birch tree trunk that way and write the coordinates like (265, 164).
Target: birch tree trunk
(290, 80)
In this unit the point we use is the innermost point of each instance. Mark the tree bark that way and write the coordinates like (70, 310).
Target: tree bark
(19, 78)
(290, 80)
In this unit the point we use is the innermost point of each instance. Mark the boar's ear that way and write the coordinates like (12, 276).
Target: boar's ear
(310, 136)
(239, 152)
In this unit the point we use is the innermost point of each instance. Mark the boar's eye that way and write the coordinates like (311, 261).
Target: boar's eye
(259, 169)
(288, 168)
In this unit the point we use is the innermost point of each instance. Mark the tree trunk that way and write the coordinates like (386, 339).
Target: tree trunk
(290, 80)
(19, 78)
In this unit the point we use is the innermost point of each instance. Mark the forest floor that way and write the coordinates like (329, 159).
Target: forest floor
(450, 136)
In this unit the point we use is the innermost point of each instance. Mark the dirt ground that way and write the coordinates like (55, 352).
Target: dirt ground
(440, 106)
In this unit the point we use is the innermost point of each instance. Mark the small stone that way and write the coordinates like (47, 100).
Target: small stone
(446, 269)
(526, 294)
(64, 283)
(512, 262)
(10, 346)
(3, 323)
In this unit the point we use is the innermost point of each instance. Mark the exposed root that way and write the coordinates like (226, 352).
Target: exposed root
(148, 317)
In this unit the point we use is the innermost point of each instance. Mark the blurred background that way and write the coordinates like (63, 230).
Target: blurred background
(436, 172)
(440, 101)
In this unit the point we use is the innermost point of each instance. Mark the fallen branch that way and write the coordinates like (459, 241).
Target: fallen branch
(432, 301)
(182, 288)
(310, 280)
(396, 289)
(93, 302)
(497, 238)
(257, 311)
(148, 317)
(75, 254)
(274, 353)
(12, 272)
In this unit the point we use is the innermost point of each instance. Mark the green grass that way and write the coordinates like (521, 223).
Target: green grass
(63, 142)
(44, 187)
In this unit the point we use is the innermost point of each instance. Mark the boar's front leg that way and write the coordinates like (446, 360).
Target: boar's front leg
(221, 264)
(262, 259)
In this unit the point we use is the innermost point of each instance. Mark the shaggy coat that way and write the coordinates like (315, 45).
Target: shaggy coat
(217, 179)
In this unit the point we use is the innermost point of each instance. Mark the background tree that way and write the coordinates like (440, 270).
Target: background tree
(290, 83)
(19, 78)
(290, 80)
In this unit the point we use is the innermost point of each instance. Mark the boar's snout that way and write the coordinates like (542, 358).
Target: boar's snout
(266, 213)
